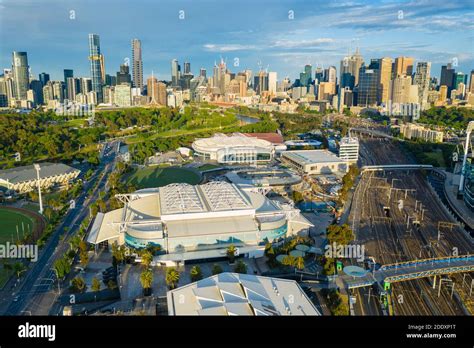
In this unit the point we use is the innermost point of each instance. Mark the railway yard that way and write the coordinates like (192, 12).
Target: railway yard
(398, 217)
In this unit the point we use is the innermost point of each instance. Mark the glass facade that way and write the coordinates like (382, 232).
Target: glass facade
(209, 242)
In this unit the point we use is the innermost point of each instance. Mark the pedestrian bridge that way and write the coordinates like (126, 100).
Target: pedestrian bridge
(396, 167)
(409, 270)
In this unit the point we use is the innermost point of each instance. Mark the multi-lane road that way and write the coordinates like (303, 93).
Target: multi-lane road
(30, 296)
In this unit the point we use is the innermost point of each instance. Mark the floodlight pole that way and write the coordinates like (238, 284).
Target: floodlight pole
(38, 168)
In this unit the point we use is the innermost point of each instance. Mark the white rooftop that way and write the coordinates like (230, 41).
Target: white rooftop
(240, 294)
(219, 141)
(312, 156)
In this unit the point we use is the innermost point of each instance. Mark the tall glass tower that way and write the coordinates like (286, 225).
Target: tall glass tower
(21, 77)
(96, 60)
(137, 64)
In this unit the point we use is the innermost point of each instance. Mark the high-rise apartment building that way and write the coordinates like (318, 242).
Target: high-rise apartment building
(21, 78)
(137, 64)
(272, 82)
(422, 80)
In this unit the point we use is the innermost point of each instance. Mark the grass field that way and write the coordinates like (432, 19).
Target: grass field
(157, 177)
(207, 166)
(9, 220)
(437, 155)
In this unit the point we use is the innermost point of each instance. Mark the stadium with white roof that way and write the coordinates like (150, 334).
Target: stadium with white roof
(235, 148)
(240, 294)
(197, 222)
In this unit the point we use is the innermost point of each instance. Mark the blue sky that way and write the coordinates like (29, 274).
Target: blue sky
(256, 32)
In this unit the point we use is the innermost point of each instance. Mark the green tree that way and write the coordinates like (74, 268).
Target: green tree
(216, 269)
(299, 263)
(146, 279)
(231, 251)
(240, 267)
(196, 273)
(172, 277)
(19, 268)
(118, 252)
(95, 284)
(62, 267)
(78, 284)
(147, 258)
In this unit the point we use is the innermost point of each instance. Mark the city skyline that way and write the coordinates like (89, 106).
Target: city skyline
(282, 44)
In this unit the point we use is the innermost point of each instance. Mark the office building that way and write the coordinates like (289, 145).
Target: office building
(403, 66)
(37, 89)
(368, 87)
(44, 78)
(175, 73)
(73, 87)
(137, 64)
(123, 76)
(385, 75)
(447, 77)
(123, 95)
(349, 149)
(96, 66)
(21, 78)
(272, 82)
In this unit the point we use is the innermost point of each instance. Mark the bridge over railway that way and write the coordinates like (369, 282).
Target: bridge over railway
(388, 167)
(410, 270)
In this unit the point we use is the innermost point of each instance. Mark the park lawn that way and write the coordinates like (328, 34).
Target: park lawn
(159, 176)
(4, 275)
(437, 155)
(9, 220)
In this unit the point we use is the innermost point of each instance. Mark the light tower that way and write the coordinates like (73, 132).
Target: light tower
(38, 168)
(470, 128)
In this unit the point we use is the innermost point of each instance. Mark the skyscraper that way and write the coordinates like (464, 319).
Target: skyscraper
(471, 82)
(330, 74)
(73, 87)
(272, 82)
(137, 64)
(44, 78)
(422, 80)
(97, 63)
(350, 67)
(447, 77)
(202, 72)
(67, 74)
(368, 86)
(123, 76)
(187, 68)
(260, 82)
(385, 74)
(21, 77)
(403, 66)
(175, 73)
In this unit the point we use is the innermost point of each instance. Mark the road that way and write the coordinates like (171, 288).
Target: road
(39, 278)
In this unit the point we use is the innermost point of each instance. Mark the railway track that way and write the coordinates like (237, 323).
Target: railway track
(389, 239)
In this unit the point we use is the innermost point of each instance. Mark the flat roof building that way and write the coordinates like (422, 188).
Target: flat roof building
(349, 149)
(240, 294)
(24, 179)
(315, 162)
(197, 222)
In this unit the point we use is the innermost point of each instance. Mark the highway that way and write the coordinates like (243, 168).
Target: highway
(39, 278)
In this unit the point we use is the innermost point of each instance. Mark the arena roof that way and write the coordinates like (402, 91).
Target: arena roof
(240, 294)
(219, 141)
(312, 156)
(273, 138)
(28, 173)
